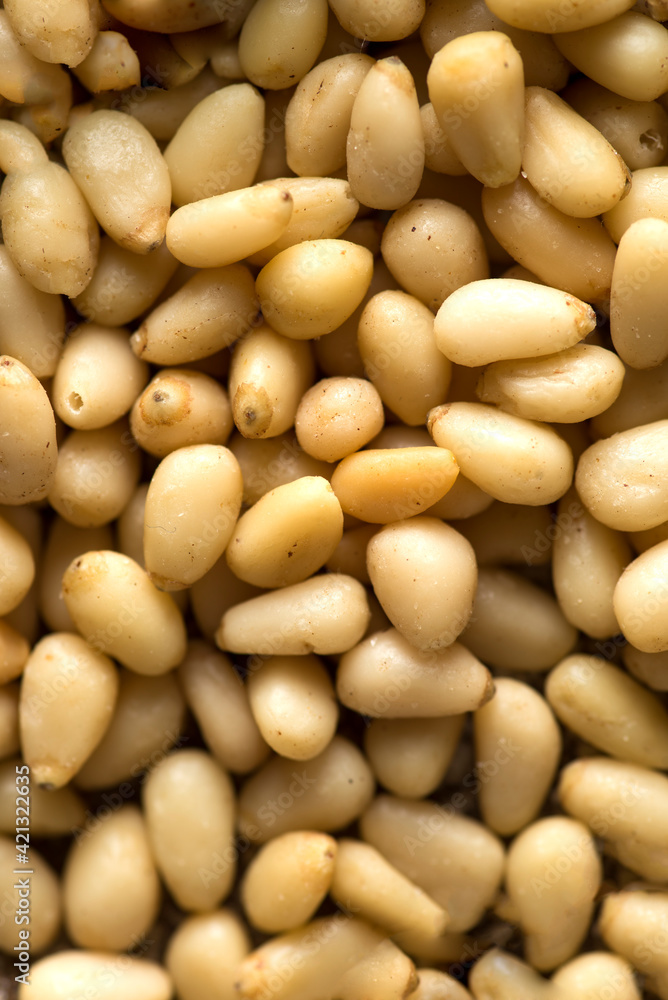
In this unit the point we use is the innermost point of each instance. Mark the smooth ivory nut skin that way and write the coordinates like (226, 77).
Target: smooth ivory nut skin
(119, 611)
(293, 703)
(633, 924)
(28, 449)
(45, 898)
(452, 848)
(624, 804)
(517, 718)
(476, 87)
(499, 319)
(278, 45)
(588, 975)
(67, 699)
(111, 890)
(554, 915)
(326, 614)
(204, 952)
(18, 567)
(386, 970)
(288, 879)
(639, 599)
(410, 757)
(424, 574)
(338, 416)
(621, 479)
(32, 327)
(635, 323)
(129, 193)
(510, 458)
(98, 971)
(192, 506)
(189, 808)
(386, 676)
(609, 710)
(325, 793)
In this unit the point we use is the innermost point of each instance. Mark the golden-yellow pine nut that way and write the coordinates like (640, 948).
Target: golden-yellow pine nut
(518, 747)
(410, 757)
(14, 650)
(225, 228)
(337, 416)
(589, 975)
(37, 896)
(571, 386)
(418, 239)
(588, 560)
(327, 793)
(510, 458)
(424, 574)
(209, 312)
(218, 146)
(367, 883)
(279, 45)
(510, 534)
(650, 668)
(134, 622)
(638, 130)
(515, 625)
(98, 377)
(180, 407)
(638, 278)
(288, 879)
(317, 119)
(183, 538)
(638, 600)
(68, 696)
(476, 87)
(381, 485)
(287, 535)
(567, 161)
(620, 479)
(203, 954)
(326, 614)
(269, 375)
(575, 255)
(9, 720)
(190, 809)
(131, 198)
(32, 325)
(628, 54)
(20, 78)
(454, 859)
(106, 975)
(497, 319)
(56, 34)
(48, 229)
(349, 556)
(295, 966)
(624, 804)
(111, 64)
(310, 289)
(293, 703)
(111, 891)
(503, 976)
(648, 198)
(219, 701)
(65, 543)
(147, 722)
(96, 475)
(385, 145)
(401, 358)
(436, 985)
(586, 693)
(124, 284)
(322, 208)
(553, 16)
(17, 567)
(53, 813)
(386, 676)
(554, 913)
(386, 973)
(272, 462)
(633, 924)
(384, 22)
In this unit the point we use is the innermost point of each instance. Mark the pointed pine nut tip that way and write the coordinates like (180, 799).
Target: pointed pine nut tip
(436, 414)
(489, 692)
(50, 774)
(138, 340)
(164, 584)
(585, 317)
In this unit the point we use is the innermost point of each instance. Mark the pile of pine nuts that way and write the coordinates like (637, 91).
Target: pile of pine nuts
(334, 500)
